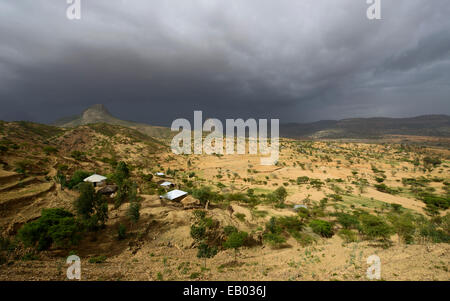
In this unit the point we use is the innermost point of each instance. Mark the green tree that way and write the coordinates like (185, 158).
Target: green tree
(281, 194)
(373, 227)
(203, 194)
(121, 173)
(321, 227)
(205, 251)
(234, 241)
(54, 227)
(133, 211)
(91, 206)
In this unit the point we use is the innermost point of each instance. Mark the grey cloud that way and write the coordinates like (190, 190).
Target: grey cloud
(153, 61)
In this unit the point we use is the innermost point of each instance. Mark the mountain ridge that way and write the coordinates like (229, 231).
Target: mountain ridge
(436, 125)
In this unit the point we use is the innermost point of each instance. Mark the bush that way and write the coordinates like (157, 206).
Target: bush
(274, 239)
(404, 226)
(77, 178)
(348, 221)
(434, 161)
(198, 232)
(77, 155)
(348, 235)
(321, 227)
(97, 259)
(229, 230)
(234, 241)
(302, 180)
(240, 216)
(303, 239)
(373, 227)
(23, 166)
(48, 150)
(55, 227)
(91, 206)
(205, 251)
(127, 191)
(203, 194)
(121, 232)
(121, 173)
(133, 211)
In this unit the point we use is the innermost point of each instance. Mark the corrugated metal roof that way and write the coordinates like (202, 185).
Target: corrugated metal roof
(166, 184)
(95, 178)
(174, 194)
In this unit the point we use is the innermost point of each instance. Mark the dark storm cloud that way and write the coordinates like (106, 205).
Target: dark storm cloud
(153, 61)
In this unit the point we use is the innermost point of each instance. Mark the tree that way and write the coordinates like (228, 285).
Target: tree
(348, 221)
(121, 232)
(121, 173)
(234, 241)
(404, 226)
(91, 206)
(374, 227)
(133, 211)
(281, 194)
(127, 191)
(323, 228)
(205, 251)
(77, 178)
(203, 194)
(55, 227)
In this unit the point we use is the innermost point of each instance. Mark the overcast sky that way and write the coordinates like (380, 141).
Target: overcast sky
(156, 60)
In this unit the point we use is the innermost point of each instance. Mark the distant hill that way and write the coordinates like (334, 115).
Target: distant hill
(369, 128)
(99, 114)
(354, 128)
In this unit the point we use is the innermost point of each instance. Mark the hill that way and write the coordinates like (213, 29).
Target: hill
(370, 128)
(99, 114)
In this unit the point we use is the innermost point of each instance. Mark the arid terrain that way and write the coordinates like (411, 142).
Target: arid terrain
(358, 199)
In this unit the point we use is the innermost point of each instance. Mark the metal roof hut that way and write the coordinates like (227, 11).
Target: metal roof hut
(167, 184)
(160, 174)
(95, 179)
(175, 195)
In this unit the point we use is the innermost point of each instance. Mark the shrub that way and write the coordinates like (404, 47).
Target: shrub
(321, 227)
(91, 206)
(434, 161)
(97, 259)
(23, 166)
(240, 216)
(205, 251)
(48, 150)
(229, 229)
(77, 178)
(404, 226)
(127, 191)
(121, 232)
(274, 239)
(374, 227)
(121, 173)
(203, 194)
(348, 221)
(133, 211)
(147, 177)
(55, 227)
(77, 155)
(348, 235)
(302, 180)
(303, 239)
(198, 232)
(234, 241)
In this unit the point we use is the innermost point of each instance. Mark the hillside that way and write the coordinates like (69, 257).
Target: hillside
(99, 114)
(333, 179)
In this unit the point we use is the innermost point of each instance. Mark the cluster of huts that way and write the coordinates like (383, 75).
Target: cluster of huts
(110, 190)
